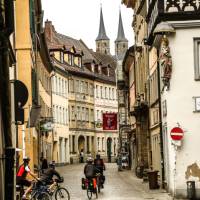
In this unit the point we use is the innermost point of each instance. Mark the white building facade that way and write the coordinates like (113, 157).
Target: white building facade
(60, 116)
(105, 102)
(180, 108)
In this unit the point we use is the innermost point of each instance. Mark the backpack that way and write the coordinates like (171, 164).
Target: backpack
(89, 170)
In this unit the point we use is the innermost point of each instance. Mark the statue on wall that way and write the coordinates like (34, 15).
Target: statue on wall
(165, 63)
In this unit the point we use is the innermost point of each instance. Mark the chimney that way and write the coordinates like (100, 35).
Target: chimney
(49, 30)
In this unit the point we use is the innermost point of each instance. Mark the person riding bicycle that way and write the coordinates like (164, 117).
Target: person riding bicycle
(21, 176)
(47, 176)
(89, 169)
(100, 166)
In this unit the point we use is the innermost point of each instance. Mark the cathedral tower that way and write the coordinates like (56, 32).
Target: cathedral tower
(102, 40)
(121, 43)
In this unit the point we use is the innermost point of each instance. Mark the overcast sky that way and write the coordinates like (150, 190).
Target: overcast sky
(80, 19)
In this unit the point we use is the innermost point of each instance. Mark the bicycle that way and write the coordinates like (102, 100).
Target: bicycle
(37, 193)
(91, 188)
(99, 182)
(58, 191)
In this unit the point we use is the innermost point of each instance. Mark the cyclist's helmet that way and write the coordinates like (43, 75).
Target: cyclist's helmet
(26, 159)
(98, 156)
(89, 160)
(52, 165)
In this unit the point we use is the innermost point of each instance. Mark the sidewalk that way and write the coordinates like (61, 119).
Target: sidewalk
(155, 194)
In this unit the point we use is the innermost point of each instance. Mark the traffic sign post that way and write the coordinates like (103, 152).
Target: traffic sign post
(177, 134)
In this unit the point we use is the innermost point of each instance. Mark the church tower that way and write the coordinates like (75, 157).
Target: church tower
(121, 43)
(102, 40)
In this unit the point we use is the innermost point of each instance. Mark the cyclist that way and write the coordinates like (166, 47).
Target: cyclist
(100, 166)
(89, 169)
(22, 173)
(47, 176)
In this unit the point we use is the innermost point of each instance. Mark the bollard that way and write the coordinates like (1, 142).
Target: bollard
(191, 191)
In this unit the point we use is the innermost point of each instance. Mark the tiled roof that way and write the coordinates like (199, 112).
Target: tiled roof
(60, 41)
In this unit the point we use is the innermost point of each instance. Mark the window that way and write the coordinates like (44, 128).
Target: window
(92, 115)
(109, 93)
(66, 111)
(97, 88)
(79, 61)
(113, 95)
(71, 85)
(83, 114)
(97, 115)
(64, 116)
(98, 139)
(103, 144)
(70, 59)
(56, 114)
(197, 58)
(77, 86)
(65, 91)
(87, 115)
(86, 87)
(69, 114)
(59, 86)
(106, 93)
(78, 113)
(54, 120)
(91, 90)
(61, 57)
(72, 113)
(81, 86)
(101, 88)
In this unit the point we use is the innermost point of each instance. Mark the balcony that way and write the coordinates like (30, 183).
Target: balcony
(171, 10)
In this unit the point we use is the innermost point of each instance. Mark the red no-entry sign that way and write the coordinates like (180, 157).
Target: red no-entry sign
(176, 133)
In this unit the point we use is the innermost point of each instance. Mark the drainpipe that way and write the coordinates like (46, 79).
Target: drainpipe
(160, 119)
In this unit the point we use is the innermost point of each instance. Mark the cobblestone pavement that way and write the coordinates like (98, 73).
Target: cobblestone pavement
(118, 186)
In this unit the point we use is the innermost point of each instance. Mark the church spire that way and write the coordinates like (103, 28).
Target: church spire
(120, 36)
(102, 31)
(102, 40)
(121, 43)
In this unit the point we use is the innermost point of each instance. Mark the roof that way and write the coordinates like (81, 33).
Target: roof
(121, 36)
(63, 42)
(102, 31)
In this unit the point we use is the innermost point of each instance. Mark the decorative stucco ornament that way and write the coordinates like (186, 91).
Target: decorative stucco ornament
(165, 63)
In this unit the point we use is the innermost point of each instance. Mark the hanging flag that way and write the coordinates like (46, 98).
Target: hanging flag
(109, 121)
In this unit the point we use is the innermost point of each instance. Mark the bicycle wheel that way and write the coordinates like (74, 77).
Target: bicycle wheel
(98, 184)
(62, 193)
(43, 196)
(89, 194)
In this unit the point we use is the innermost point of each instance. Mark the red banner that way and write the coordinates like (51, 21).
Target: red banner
(109, 121)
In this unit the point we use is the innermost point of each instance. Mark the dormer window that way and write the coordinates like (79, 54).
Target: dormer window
(61, 57)
(92, 67)
(99, 69)
(79, 61)
(108, 71)
(72, 62)
(70, 59)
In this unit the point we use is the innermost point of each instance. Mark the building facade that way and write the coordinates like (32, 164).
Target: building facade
(162, 59)
(85, 71)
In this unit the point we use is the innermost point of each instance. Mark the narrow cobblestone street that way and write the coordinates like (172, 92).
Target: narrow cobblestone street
(119, 185)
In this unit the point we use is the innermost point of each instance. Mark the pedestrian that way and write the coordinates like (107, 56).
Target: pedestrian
(81, 156)
(44, 164)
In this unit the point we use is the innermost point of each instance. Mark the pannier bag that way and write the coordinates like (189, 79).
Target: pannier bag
(83, 183)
